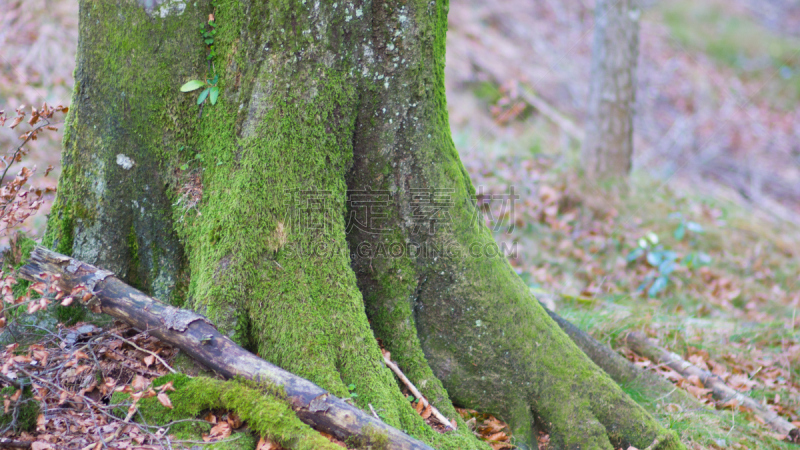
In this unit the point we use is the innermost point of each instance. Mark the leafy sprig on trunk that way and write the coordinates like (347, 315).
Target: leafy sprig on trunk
(211, 91)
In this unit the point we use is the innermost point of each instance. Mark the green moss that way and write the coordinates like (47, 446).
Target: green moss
(133, 271)
(27, 413)
(487, 92)
(261, 406)
(137, 119)
(70, 315)
(59, 234)
(373, 439)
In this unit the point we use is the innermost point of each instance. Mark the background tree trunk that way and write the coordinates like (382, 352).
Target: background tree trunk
(320, 103)
(607, 150)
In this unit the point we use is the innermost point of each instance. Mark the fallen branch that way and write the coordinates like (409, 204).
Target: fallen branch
(11, 443)
(548, 111)
(196, 336)
(488, 65)
(441, 418)
(620, 369)
(639, 343)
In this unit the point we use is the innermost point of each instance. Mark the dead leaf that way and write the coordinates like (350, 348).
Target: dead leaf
(696, 391)
(695, 380)
(140, 383)
(17, 121)
(499, 436)
(266, 444)
(233, 420)
(218, 431)
(164, 399)
(699, 361)
(427, 412)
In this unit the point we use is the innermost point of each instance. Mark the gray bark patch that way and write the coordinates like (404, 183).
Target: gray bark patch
(179, 319)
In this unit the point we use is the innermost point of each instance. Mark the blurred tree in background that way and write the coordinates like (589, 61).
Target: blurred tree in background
(608, 148)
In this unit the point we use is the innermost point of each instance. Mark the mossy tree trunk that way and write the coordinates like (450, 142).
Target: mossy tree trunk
(240, 209)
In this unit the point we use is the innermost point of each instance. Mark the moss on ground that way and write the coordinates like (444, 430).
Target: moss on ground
(26, 414)
(260, 406)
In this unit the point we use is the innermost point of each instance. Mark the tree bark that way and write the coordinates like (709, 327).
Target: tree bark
(252, 211)
(197, 337)
(607, 151)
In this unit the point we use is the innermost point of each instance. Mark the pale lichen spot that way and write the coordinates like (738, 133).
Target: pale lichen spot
(359, 13)
(171, 8)
(165, 7)
(124, 162)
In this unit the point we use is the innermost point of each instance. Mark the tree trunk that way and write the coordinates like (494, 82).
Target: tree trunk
(323, 184)
(607, 151)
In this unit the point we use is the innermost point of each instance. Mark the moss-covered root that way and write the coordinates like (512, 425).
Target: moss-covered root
(432, 276)
(610, 421)
(265, 413)
(492, 345)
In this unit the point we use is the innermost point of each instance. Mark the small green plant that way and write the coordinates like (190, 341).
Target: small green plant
(663, 261)
(684, 226)
(352, 388)
(211, 91)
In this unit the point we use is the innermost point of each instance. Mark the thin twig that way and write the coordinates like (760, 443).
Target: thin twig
(19, 149)
(373, 411)
(442, 419)
(161, 360)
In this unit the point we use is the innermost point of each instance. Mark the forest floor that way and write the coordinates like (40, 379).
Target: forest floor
(715, 190)
(703, 254)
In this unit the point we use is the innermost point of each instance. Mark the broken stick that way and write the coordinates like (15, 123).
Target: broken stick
(414, 391)
(640, 344)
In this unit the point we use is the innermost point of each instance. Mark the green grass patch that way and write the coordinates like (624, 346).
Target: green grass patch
(739, 42)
